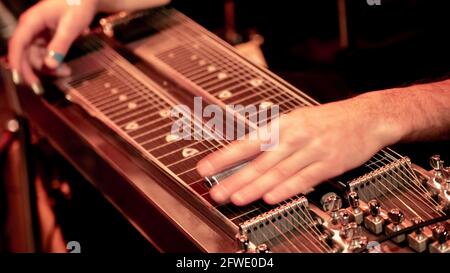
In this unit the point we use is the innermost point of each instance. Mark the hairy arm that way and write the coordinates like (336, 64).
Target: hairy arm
(423, 108)
(321, 142)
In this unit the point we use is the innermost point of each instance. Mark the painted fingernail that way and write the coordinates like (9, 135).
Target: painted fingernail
(53, 59)
(17, 79)
(37, 88)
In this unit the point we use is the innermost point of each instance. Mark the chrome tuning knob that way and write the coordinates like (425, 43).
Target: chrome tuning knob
(418, 240)
(356, 211)
(440, 234)
(374, 208)
(262, 248)
(332, 203)
(374, 222)
(396, 217)
(354, 236)
(344, 217)
(436, 163)
(446, 178)
(353, 199)
(242, 243)
(417, 221)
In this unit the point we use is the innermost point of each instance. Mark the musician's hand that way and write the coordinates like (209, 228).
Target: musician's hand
(48, 27)
(316, 144)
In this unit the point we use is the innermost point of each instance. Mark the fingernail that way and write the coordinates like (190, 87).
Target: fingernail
(219, 194)
(270, 198)
(205, 168)
(37, 88)
(51, 63)
(237, 199)
(63, 71)
(17, 79)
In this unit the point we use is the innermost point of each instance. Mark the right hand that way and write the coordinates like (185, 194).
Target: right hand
(50, 25)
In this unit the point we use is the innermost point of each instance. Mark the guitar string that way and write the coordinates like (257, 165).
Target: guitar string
(427, 201)
(296, 212)
(421, 190)
(281, 234)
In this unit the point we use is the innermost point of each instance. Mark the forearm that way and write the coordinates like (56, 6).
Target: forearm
(416, 113)
(128, 5)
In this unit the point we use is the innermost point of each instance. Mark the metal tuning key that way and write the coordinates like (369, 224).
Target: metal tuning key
(437, 179)
(437, 164)
(418, 240)
(356, 211)
(332, 203)
(374, 222)
(440, 234)
(445, 190)
(262, 248)
(242, 243)
(357, 241)
(396, 217)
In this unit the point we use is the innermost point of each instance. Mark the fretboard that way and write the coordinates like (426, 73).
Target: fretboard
(186, 50)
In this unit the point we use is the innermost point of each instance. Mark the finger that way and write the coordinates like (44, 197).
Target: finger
(299, 183)
(26, 30)
(275, 176)
(36, 57)
(30, 77)
(228, 156)
(66, 33)
(257, 167)
(27, 72)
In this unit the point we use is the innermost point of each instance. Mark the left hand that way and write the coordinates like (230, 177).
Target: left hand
(315, 144)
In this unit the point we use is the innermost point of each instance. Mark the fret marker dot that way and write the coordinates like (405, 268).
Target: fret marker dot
(114, 91)
(196, 46)
(123, 97)
(171, 55)
(256, 82)
(188, 152)
(85, 83)
(132, 105)
(132, 126)
(222, 75)
(211, 68)
(265, 104)
(202, 62)
(172, 137)
(164, 113)
(225, 94)
(194, 57)
(107, 85)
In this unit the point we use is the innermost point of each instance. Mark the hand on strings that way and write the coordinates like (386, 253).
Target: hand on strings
(315, 144)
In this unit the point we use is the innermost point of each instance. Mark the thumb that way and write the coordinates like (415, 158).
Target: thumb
(66, 33)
